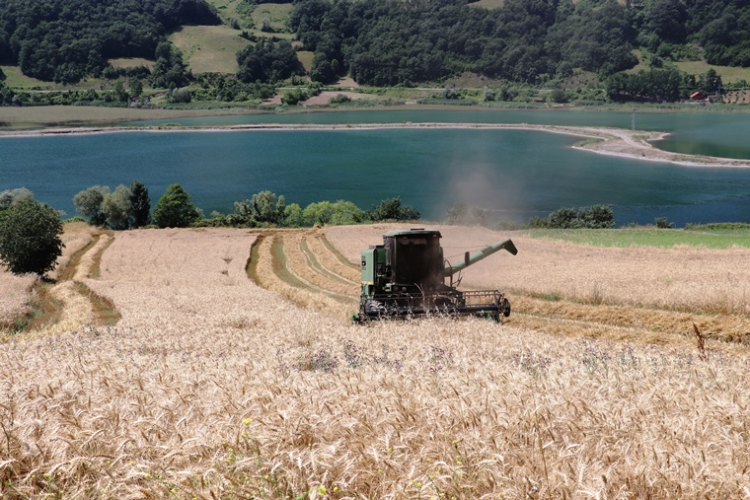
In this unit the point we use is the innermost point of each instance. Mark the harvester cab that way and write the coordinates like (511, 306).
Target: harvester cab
(406, 276)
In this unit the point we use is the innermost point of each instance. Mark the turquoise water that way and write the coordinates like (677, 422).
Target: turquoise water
(714, 134)
(516, 173)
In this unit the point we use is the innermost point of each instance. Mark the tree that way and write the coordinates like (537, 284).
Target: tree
(140, 205)
(89, 204)
(30, 237)
(11, 197)
(391, 209)
(263, 208)
(136, 87)
(116, 208)
(174, 208)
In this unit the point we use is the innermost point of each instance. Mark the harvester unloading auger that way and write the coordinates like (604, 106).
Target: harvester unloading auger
(406, 276)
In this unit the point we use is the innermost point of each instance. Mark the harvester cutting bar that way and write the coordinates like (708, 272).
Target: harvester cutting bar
(490, 303)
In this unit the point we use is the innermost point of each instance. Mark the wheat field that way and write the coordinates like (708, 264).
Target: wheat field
(233, 372)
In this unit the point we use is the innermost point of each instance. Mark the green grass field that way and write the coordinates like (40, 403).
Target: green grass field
(132, 62)
(305, 57)
(17, 80)
(234, 9)
(728, 74)
(489, 4)
(209, 48)
(648, 236)
(277, 14)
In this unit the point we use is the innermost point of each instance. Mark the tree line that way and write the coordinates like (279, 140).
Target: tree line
(67, 40)
(390, 42)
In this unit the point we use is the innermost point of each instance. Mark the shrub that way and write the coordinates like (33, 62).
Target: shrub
(594, 217)
(663, 223)
(30, 237)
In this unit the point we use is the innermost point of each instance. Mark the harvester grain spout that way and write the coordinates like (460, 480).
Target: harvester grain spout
(477, 256)
(405, 276)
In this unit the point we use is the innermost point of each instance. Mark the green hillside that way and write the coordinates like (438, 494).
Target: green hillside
(554, 50)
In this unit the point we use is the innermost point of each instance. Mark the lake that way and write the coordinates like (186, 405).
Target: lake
(517, 174)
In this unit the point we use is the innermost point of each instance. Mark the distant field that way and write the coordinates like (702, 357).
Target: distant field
(77, 116)
(662, 238)
(234, 9)
(277, 14)
(132, 62)
(16, 79)
(209, 48)
(728, 74)
(489, 4)
(305, 57)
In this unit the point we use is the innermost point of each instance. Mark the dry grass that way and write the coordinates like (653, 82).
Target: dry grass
(708, 286)
(212, 387)
(15, 295)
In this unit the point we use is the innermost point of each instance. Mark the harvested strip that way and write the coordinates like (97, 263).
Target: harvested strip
(267, 269)
(314, 263)
(303, 269)
(332, 260)
(339, 256)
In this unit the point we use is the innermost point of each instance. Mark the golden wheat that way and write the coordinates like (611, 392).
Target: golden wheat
(212, 387)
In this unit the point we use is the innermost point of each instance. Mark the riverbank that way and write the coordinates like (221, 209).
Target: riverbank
(624, 143)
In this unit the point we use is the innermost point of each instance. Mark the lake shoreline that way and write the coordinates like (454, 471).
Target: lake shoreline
(624, 143)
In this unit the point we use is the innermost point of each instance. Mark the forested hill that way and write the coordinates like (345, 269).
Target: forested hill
(387, 42)
(65, 40)
(390, 42)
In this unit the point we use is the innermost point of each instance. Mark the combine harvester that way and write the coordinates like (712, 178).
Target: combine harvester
(406, 277)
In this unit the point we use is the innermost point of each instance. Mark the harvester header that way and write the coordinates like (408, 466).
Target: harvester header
(406, 276)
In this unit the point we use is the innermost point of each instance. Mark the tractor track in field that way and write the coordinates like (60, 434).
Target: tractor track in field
(66, 303)
(301, 266)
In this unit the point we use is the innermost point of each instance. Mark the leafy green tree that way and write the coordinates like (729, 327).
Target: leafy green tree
(10, 197)
(89, 204)
(293, 216)
(391, 209)
(174, 208)
(136, 87)
(30, 237)
(265, 208)
(319, 213)
(347, 213)
(116, 207)
(267, 61)
(140, 205)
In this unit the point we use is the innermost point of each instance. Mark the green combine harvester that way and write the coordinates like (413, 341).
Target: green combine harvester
(406, 277)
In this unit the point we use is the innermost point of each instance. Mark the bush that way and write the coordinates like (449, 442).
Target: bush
(30, 237)
(663, 223)
(594, 217)
(174, 208)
